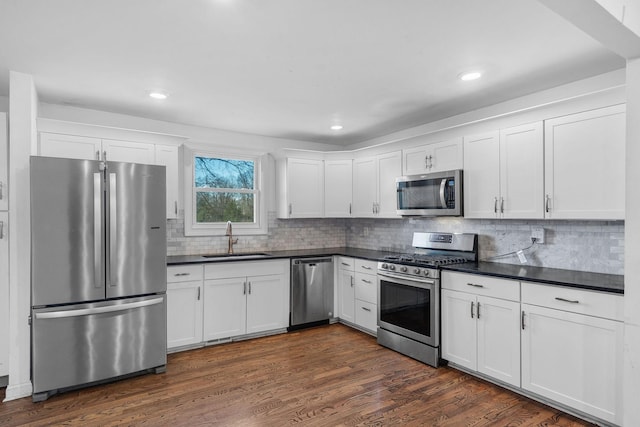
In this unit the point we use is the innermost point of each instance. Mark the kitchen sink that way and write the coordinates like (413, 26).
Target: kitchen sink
(237, 256)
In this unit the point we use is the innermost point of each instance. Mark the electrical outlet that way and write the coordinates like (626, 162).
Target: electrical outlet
(538, 233)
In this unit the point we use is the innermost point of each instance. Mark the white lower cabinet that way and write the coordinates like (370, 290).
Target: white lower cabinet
(480, 324)
(358, 293)
(346, 292)
(573, 358)
(243, 298)
(184, 305)
(4, 293)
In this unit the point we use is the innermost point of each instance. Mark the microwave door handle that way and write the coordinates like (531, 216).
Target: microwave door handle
(443, 201)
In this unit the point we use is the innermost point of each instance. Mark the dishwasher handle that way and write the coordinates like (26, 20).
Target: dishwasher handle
(303, 261)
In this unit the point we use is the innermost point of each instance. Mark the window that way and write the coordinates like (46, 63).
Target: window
(223, 187)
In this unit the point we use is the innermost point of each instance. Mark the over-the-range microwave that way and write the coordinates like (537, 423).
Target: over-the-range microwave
(432, 194)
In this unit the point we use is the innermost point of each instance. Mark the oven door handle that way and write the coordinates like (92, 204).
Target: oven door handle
(407, 279)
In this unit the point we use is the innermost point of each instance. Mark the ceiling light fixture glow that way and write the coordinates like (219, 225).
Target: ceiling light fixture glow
(158, 95)
(473, 75)
(336, 127)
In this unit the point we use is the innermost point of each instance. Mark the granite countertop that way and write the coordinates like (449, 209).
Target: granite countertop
(611, 283)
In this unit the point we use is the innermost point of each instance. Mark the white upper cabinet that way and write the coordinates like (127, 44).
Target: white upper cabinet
(338, 181)
(168, 155)
(374, 185)
(503, 173)
(585, 165)
(131, 152)
(4, 171)
(300, 188)
(69, 146)
(437, 157)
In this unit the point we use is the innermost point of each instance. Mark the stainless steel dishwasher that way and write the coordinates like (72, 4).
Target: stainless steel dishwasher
(311, 291)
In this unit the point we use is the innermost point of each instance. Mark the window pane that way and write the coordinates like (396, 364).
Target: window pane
(223, 207)
(223, 173)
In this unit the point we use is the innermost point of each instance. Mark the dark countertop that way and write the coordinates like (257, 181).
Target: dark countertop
(611, 283)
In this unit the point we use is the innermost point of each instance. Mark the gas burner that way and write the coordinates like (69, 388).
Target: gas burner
(425, 259)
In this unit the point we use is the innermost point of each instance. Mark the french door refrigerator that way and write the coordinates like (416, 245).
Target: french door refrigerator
(98, 264)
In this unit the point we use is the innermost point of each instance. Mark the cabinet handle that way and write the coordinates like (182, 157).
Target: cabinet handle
(182, 274)
(373, 208)
(366, 281)
(475, 285)
(546, 203)
(426, 162)
(98, 155)
(249, 288)
(349, 208)
(175, 206)
(522, 320)
(430, 162)
(1, 193)
(501, 205)
(495, 205)
(365, 267)
(198, 293)
(290, 209)
(345, 263)
(366, 309)
(351, 281)
(244, 290)
(1, 229)
(472, 304)
(104, 155)
(478, 310)
(572, 301)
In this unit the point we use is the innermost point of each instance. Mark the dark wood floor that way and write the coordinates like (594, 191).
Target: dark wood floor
(325, 376)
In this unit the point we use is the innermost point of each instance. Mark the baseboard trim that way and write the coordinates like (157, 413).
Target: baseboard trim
(18, 391)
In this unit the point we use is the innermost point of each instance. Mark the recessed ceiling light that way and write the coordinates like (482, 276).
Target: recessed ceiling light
(158, 95)
(473, 75)
(336, 127)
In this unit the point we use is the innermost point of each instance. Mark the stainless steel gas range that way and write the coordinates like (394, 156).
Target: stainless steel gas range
(409, 293)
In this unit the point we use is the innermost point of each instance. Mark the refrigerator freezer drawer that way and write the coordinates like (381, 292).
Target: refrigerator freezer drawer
(83, 343)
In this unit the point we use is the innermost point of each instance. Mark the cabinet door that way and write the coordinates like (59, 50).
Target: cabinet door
(69, 146)
(225, 308)
(416, 160)
(481, 175)
(267, 303)
(498, 326)
(184, 313)
(459, 328)
(573, 359)
(305, 188)
(167, 155)
(389, 167)
(521, 172)
(346, 282)
(4, 294)
(4, 171)
(364, 187)
(585, 165)
(129, 152)
(366, 315)
(338, 181)
(446, 155)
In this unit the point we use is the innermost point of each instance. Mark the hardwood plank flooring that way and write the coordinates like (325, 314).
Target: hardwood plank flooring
(325, 376)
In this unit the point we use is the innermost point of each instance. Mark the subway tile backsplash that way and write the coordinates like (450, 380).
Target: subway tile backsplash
(596, 246)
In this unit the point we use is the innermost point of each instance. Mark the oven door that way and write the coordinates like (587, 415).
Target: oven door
(410, 307)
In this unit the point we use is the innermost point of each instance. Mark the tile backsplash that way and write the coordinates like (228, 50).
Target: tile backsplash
(596, 246)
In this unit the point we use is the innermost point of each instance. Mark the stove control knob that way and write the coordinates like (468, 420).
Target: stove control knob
(426, 272)
(416, 271)
(385, 266)
(403, 269)
(392, 267)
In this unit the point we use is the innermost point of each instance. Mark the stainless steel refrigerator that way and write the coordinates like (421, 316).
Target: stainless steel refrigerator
(98, 263)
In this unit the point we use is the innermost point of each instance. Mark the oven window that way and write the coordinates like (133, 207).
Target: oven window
(406, 307)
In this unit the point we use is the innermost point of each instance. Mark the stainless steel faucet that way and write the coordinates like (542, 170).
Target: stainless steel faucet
(229, 233)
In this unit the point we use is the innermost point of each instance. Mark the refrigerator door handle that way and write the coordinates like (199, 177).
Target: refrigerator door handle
(97, 229)
(112, 280)
(98, 310)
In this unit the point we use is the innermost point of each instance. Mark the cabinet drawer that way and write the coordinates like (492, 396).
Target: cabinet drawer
(366, 288)
(366, 266)
(346, 263)
(481, 285)
(581, 301)
(222, 270)
(184, 273)
(367, 315)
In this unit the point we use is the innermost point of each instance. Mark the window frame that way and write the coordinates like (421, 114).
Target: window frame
(191, 226)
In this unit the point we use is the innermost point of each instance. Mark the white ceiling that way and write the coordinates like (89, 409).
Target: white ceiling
(292, 68)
